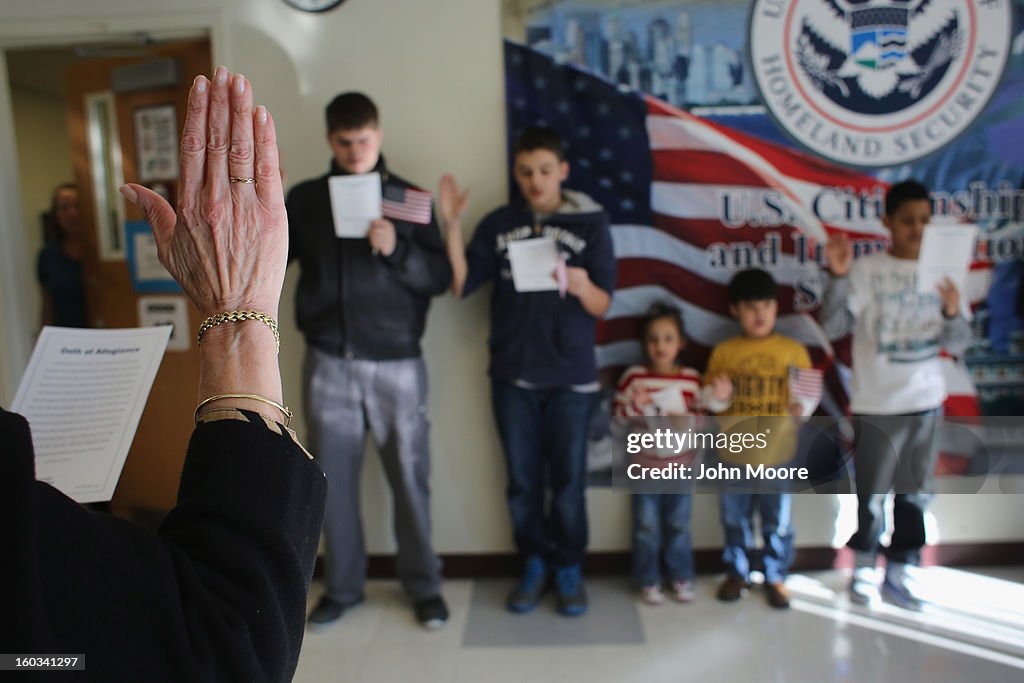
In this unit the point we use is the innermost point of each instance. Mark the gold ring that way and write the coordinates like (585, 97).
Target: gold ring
(236, 179)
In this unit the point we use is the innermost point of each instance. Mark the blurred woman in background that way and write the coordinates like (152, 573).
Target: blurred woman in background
(59, 267)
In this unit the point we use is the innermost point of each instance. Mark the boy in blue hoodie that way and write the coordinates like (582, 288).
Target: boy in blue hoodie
(543, 375)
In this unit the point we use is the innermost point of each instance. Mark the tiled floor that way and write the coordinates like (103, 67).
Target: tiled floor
(973, 631)
(612, 619)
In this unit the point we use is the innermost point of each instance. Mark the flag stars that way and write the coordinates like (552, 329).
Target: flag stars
(605, 154)
(520, 103)
(583, 162)
(540, 83)
(603, 109)
(627, 204)
(626, 176)
(625, 133)
(583, 131)
(562, 106)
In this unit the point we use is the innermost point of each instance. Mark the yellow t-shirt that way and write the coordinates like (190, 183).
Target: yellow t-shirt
(759, 370)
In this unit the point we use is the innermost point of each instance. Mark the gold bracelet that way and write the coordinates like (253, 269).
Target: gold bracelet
(233, 413)
(255, 397)
(236, 317)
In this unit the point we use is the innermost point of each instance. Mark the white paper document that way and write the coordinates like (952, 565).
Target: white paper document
(669, 401)
(946, 252)
(534, 262)
(355, 201)
(147, 263)
(83, 394)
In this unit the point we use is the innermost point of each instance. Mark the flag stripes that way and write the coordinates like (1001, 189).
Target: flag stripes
(407, 204)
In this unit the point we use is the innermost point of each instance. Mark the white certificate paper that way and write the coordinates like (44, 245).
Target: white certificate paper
(669, 401)
(83, 394)
(946, 252)
(534, 262)
(355, 201)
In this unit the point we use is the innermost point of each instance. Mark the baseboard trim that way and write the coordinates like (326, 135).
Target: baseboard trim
(708, 561)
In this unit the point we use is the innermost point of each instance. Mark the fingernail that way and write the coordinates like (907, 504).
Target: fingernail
(128, 193)
(261, 115)
(200, 84)
(239, 84)
(221, 75)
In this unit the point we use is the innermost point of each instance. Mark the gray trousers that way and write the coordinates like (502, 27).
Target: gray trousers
(894, 453)
(342, 399)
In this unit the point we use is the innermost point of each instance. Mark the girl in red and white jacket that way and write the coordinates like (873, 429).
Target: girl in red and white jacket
(664, 387)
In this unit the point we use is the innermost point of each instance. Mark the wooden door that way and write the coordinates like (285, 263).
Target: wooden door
(149, 481)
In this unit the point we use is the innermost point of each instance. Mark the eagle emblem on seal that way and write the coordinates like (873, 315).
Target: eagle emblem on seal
(878, 56)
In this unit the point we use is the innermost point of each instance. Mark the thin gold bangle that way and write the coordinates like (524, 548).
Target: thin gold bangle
(235, 412)
(255, 397)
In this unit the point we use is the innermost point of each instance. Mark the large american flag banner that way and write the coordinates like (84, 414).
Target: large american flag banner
(692, 202)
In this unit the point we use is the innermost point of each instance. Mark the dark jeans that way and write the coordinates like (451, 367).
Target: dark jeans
(544, 434)
(894, 452)
(661, 534)
(737, 511)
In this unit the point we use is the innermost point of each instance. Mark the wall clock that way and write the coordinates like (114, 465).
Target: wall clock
(313, 5)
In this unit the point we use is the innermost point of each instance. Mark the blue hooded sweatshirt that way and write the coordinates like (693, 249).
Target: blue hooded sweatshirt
(539, 337)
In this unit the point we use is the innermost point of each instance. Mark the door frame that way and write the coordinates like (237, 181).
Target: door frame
(17, 322)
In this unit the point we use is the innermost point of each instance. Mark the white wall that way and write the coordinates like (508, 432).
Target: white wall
(435, 70)
(44, 161)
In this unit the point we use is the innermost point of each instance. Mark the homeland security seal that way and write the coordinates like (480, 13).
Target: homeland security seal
(878, 82)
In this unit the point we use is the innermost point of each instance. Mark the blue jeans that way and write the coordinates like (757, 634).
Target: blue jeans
(544, 434)
(661, 533)
(737, 511)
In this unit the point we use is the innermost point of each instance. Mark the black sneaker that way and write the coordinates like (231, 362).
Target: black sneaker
(572, 597)
(526, 594)
(328, 611)
(431, 612)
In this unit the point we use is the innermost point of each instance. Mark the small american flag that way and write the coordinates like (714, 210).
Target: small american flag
(805, 383)
(406, 204)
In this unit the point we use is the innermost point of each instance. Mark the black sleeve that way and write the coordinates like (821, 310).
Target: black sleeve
(1020, 293)
(218, 594)
(42, 270)
(293, 205)
(482, 260)
(419, 260)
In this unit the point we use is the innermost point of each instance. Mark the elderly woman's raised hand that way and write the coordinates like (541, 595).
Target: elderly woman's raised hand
(227, 246)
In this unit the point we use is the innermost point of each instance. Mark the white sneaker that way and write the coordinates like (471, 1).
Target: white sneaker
(683, 591)
(864, 587)
(898, 588)
(652, 595)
